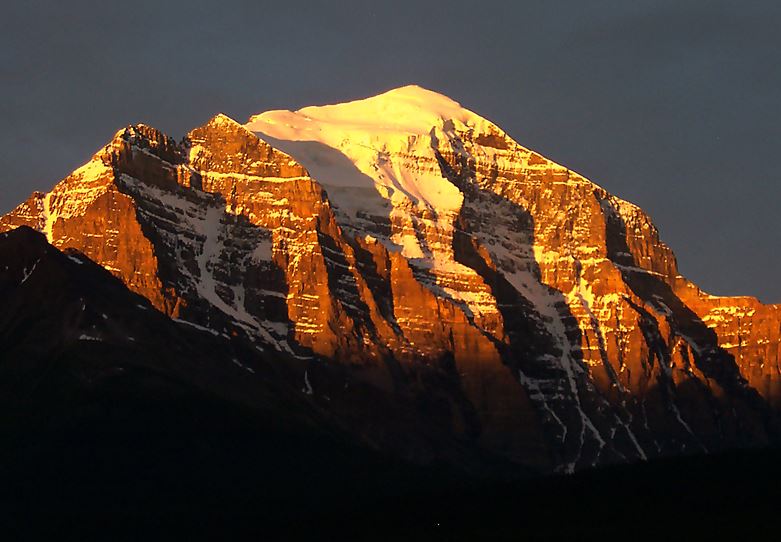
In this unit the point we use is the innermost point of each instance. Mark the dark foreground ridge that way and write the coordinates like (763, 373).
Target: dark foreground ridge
(244, 485)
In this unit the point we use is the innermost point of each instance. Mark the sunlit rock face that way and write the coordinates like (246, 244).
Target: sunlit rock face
(517, 306)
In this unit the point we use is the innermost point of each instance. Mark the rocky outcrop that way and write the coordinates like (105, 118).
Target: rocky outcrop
(414, 247)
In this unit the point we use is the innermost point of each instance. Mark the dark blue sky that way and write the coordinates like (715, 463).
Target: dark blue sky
(673, 105)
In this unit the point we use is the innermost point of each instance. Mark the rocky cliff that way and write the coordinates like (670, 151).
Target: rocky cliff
(409, 247)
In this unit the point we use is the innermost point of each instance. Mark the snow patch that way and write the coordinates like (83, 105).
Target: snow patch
(27, 273)
(307, 386)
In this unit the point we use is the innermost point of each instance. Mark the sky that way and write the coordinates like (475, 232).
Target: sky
(673, 105)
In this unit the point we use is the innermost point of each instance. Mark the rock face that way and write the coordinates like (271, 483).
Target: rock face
(409, 245)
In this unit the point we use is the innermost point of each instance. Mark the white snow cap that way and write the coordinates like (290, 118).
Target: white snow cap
(411, 110)
(365, 132)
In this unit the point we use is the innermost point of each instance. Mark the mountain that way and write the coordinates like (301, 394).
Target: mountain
(414, 281)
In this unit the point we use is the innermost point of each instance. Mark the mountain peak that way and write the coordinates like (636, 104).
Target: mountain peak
(221, 119)
(139, 131)
(407, 110)
(406, 99)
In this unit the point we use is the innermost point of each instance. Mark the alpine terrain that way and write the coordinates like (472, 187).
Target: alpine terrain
(394, 276)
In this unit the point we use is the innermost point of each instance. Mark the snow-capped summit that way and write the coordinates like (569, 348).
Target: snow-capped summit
(379, 160)
(410, 110)
(366, 132)
(469, 282)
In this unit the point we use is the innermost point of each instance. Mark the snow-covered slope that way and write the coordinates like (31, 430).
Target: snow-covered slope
(375, 135)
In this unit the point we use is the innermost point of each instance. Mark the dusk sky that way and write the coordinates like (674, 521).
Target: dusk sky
(673, 105)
